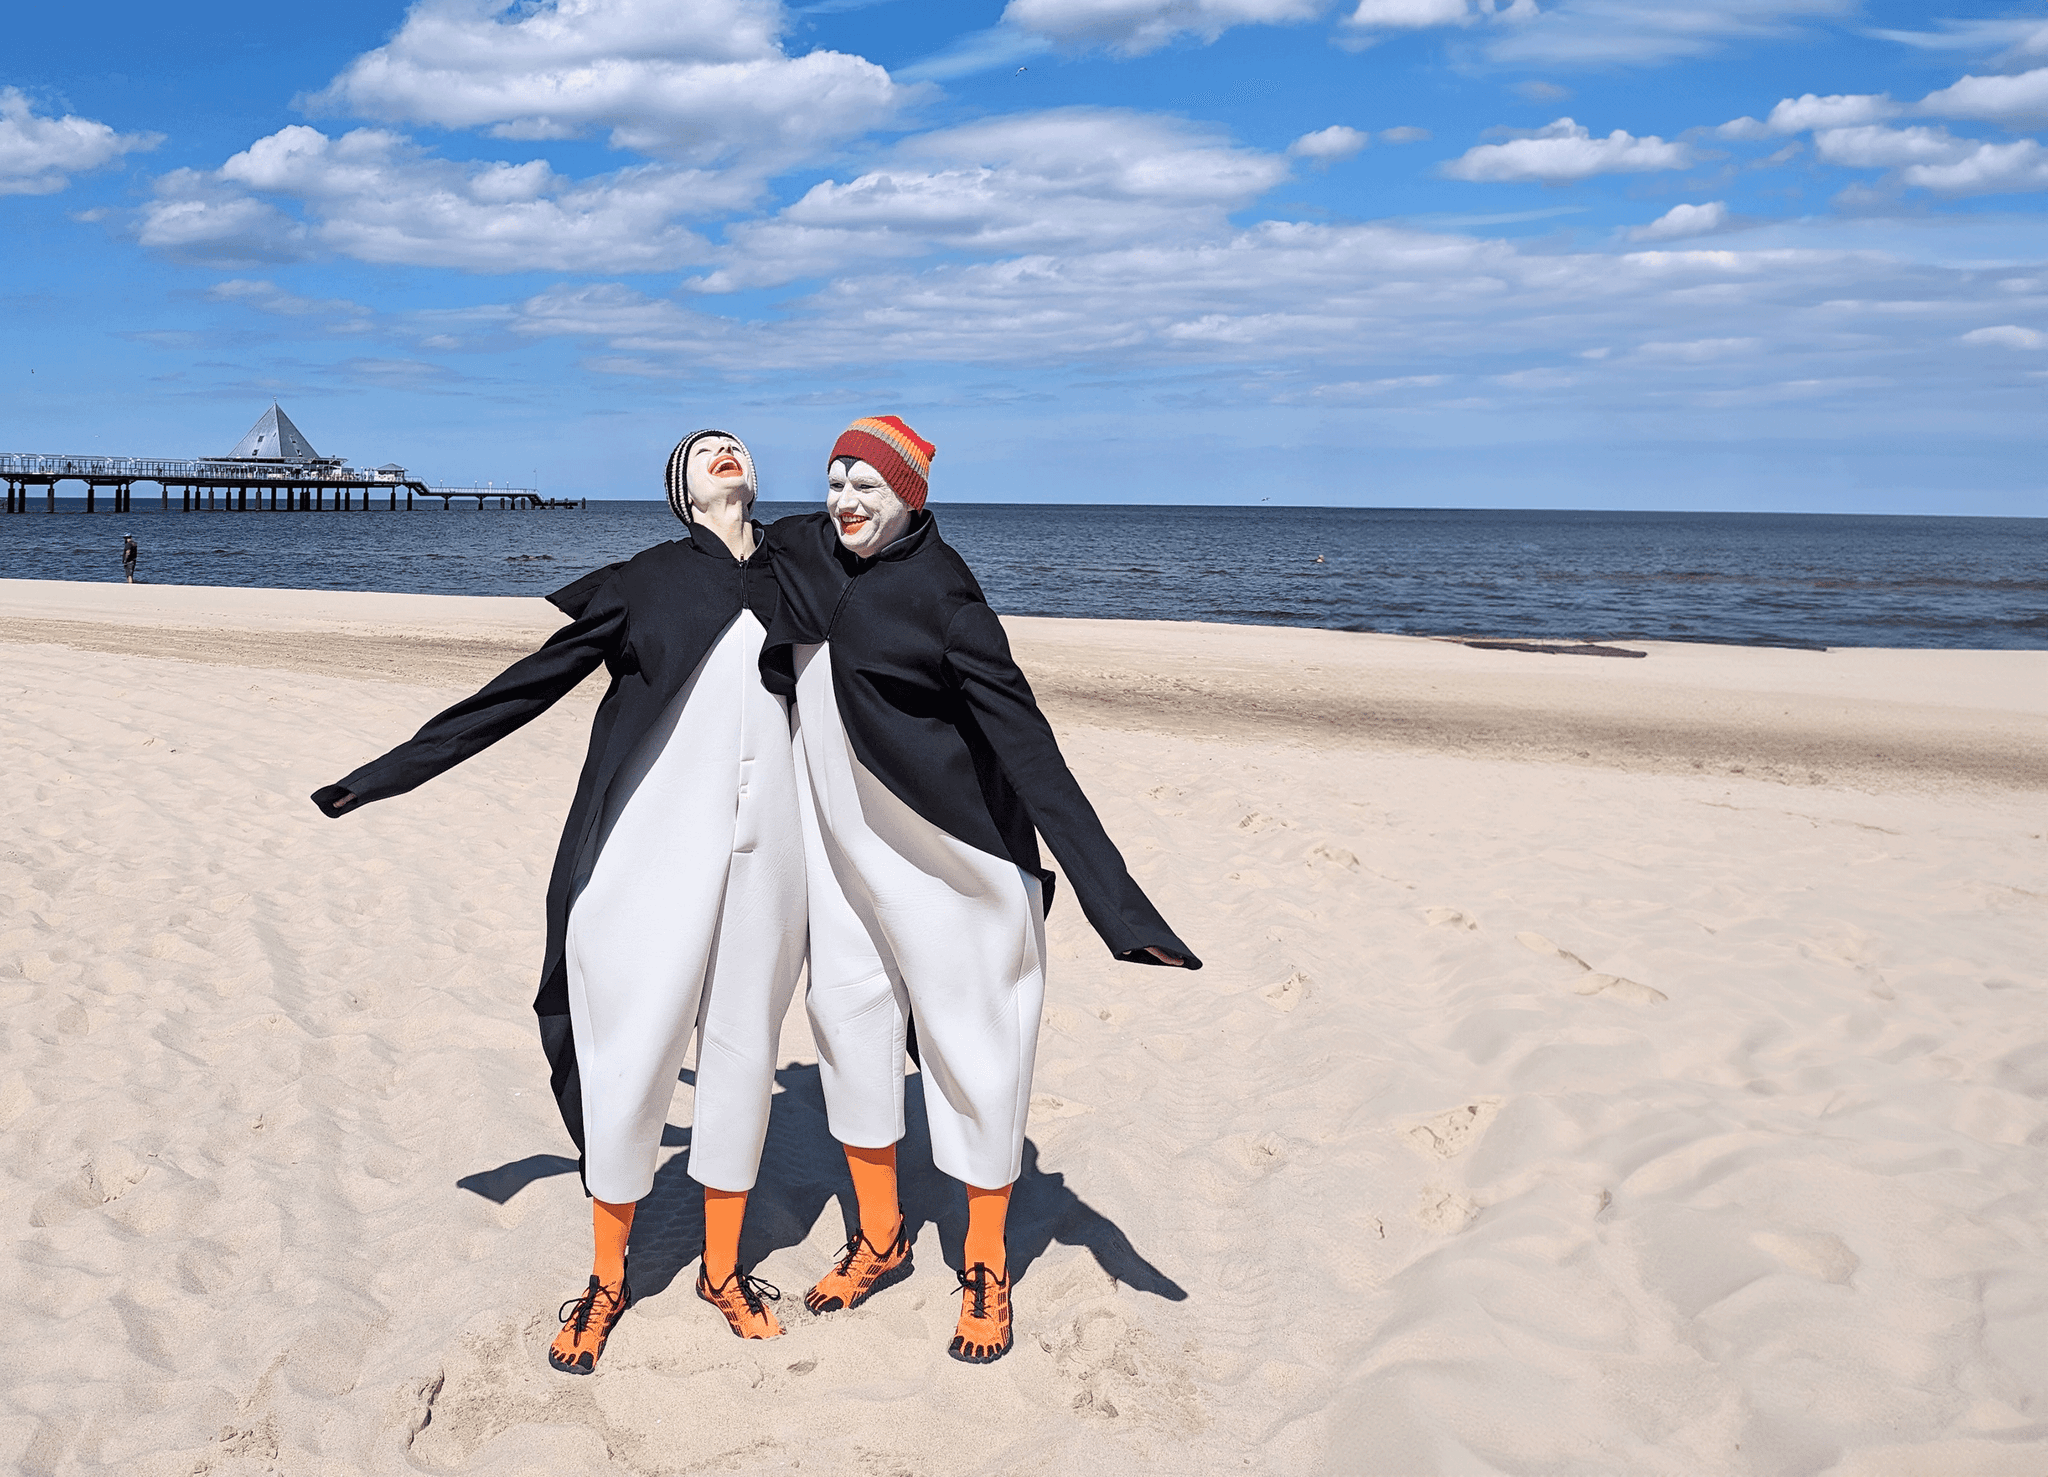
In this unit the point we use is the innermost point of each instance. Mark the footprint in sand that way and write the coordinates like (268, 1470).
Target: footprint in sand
(1619, 988)
(1451, 918)
(1051, 1105)
(1815, 1254)
(1451, 1133)
(1445, 1211)
(1288, 993)
(1592, 982)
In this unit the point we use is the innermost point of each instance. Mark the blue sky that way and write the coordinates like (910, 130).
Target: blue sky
(1734, 254)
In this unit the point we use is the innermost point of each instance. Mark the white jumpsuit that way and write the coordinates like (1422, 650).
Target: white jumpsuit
(905, 917)
(692, 919)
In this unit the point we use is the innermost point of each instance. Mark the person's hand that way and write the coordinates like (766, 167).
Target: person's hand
(1165, 958)
(345, 800)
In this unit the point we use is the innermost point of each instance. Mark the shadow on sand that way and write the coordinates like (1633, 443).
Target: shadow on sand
(803, 1170)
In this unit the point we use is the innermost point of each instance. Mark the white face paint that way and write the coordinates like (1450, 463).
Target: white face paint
(869, 513)
(719, 478)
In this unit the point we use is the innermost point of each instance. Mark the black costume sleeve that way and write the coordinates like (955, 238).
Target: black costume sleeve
(978, 654)
(518, 695)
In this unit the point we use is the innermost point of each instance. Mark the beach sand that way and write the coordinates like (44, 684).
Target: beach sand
(1632, 1066)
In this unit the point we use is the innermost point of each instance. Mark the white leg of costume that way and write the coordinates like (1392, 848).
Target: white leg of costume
(907, 918)
(693, 912)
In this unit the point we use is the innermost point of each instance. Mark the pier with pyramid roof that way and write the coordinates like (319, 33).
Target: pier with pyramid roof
(273, 468)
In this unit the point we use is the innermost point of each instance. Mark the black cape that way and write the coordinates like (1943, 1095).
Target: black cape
(650, 621)
(937, 710)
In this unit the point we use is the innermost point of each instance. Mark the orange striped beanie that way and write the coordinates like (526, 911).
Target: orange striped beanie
(903, 457)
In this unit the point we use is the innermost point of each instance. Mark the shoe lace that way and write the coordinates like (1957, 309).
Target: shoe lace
(580, 1309)
(851, 1250)
(975, 1281)
(751, 1290)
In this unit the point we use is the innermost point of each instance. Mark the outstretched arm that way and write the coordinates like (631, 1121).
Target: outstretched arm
(518, 695)
(979, 654)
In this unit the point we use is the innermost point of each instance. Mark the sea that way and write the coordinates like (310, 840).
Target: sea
(1756, 579)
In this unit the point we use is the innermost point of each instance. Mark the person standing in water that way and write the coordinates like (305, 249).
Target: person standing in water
(676, 905)
(130, 552)
(926, 766)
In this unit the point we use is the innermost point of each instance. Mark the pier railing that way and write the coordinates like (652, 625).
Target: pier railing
(218, 484)
(40, 465)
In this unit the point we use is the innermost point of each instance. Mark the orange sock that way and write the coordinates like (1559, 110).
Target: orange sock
(724, 1213)
(874, 1190)
(611, 1225)
(987, 1213)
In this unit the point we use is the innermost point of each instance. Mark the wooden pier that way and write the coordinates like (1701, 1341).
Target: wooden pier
(223, 486)
(274, 461)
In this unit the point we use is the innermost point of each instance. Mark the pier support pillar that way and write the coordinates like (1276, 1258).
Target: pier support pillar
(91, 496)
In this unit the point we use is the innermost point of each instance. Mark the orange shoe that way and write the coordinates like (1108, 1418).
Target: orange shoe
(739, 1297)
(862, 1272)
(983, 1334)
(587, 1322)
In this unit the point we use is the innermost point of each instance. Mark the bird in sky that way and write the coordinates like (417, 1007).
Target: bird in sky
(1020, 71)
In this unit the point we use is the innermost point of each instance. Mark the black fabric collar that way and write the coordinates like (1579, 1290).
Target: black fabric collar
(924, 530)
(705, 541)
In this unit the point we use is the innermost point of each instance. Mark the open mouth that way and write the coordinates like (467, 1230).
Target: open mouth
(852, 523)
(725, 464)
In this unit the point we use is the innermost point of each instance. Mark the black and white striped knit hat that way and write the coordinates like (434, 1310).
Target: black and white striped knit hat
(679, 465)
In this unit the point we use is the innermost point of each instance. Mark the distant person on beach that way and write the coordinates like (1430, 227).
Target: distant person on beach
(926, 767)
(130, 551)
(677, 900)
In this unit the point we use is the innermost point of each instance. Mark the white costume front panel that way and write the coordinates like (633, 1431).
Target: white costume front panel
(908, 919)
(693, 918)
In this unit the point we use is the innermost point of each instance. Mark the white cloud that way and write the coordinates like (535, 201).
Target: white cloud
(697, 81)
(1838, 110)
(1874, 147)
(975, 51)
(1351, 392)
(1415, 15)
(1074, 179)
(1328, 145)
(378, 197)
(1985, 169)
(268, 297)
(1545, 377)
(1700, 350)
(1367, 309)
(2007, 336)
(2014, 101)
(197, 216)
(1135, 27)
(1682, 221)
(1650, 32)
(1566, 151)
(1744, 127)
(38, 155)
(1407, 133)
(2020, 40)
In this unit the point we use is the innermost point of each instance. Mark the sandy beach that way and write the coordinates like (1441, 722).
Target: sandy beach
(1604, 1065)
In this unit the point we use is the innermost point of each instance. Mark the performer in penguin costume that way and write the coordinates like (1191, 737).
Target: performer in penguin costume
(925, 767)
(677, 899)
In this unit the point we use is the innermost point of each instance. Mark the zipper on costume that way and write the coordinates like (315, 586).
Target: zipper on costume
(844, 596)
